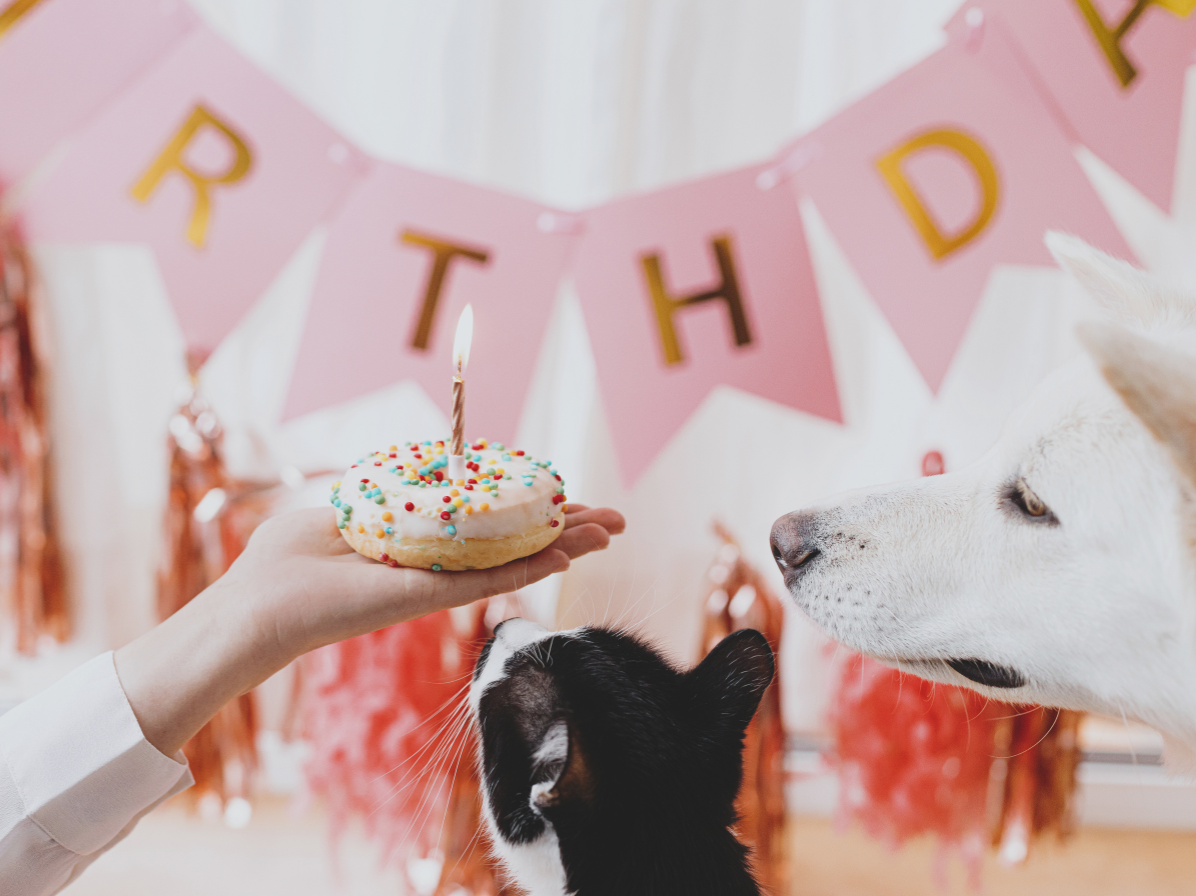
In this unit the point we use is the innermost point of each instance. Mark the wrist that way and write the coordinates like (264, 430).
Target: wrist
(178, 674)
(247, 638)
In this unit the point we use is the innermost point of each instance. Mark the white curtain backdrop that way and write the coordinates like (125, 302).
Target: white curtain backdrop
(571, 103)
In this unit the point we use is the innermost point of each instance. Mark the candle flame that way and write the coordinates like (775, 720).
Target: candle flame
(462, 340)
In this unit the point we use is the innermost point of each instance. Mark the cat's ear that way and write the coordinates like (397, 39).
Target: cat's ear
(575, 782)
(733, 677)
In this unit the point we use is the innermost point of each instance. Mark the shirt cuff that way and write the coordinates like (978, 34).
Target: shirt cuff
(79, 760)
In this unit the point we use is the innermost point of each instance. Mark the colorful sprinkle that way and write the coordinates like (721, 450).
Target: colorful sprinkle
(446, 515)
(484, 506)
(436, 567)
(379, 534)
(555, 523)
(387, 517)
(451, 530)
(409, 506)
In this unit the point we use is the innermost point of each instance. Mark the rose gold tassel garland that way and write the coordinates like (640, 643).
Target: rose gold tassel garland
(209, 519)
(31, 577)
(740, 598)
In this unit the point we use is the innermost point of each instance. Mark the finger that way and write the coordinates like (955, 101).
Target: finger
(581, 540)
(611, 520)
(575, 508)
(456, 588)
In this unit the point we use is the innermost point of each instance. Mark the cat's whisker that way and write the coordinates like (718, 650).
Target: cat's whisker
(461, 715)
(461, 694)
(434, 781)
(452, 777)
(429, 800)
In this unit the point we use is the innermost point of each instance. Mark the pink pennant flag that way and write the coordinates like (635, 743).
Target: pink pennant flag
(1114, 71)
(212, 164)
(942, 173)
(691, 287)
(406, 253)
(61, 60)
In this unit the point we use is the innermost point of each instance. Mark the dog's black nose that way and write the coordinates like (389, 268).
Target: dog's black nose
(794, 542)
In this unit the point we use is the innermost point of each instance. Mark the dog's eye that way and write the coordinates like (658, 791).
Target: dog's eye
(1028, 502)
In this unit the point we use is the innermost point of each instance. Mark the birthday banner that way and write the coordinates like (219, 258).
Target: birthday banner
(696, 286)
(153, 130)
(939, 175)
(1114, 72)
(215, 166)
(407, 252)
(62, 60)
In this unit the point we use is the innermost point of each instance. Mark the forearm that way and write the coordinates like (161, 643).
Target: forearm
(177, 675)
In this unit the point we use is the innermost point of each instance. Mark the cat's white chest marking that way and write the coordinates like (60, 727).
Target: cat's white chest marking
(536, 866)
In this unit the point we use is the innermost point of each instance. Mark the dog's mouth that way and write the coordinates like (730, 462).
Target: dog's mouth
(979, 671)
(988, 674)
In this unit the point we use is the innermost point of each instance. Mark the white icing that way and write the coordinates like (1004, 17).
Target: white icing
(519, 500)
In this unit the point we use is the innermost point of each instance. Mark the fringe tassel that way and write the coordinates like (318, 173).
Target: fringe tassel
(31, 573)
(916, 757)
(740, 598)
(209, 519)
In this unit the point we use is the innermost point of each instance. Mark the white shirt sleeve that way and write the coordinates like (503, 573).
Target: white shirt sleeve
(76, 775)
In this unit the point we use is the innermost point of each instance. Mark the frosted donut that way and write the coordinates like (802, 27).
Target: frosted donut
(399, 506)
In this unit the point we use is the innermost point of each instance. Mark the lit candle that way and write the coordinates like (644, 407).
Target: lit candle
(461, 344)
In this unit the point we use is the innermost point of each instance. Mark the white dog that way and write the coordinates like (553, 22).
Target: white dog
(1061, 567)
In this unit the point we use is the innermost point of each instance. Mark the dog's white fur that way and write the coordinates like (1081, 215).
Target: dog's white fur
(1098, 611)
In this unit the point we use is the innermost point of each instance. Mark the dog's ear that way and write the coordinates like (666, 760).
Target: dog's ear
(1157, 382)
(1125, 293)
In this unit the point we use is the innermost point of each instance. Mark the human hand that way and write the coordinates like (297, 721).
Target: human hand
(311, 588)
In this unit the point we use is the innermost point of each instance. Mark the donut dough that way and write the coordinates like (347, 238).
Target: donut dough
(399, 506)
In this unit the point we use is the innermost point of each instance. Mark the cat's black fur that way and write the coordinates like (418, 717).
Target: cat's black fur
(644, 801)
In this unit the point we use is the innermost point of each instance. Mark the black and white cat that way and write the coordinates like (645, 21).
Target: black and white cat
(608, 772)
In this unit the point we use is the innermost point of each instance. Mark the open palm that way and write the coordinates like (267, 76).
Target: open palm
(314, 589)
